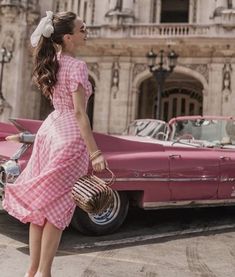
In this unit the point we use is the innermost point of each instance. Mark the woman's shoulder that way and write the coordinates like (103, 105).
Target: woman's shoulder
(72, 61)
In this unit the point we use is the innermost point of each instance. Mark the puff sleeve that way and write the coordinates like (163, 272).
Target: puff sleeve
(78, 75)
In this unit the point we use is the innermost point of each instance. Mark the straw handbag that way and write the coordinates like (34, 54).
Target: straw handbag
(92, 194)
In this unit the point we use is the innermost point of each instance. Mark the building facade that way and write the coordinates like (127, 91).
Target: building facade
(121, 32)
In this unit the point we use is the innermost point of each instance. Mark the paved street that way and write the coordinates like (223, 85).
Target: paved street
(184, 243)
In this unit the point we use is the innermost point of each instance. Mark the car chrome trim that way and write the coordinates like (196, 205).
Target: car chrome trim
(224, 179)
(139, 179)
(188, 203)
(193, 179)
(20, 152)
(160, 179)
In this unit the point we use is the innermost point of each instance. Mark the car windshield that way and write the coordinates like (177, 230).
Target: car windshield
(220, 131)
(148, 128)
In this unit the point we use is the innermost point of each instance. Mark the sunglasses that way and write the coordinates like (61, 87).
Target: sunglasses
(83, 28)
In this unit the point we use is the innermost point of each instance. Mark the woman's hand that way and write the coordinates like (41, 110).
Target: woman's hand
(15, 138)
(99, 163)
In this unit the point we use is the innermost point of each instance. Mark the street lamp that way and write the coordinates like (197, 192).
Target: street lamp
(5, 57)
(160, 72)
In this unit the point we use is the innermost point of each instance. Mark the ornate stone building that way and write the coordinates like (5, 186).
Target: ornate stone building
(121, 32)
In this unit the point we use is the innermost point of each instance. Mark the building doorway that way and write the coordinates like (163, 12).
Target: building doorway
(180, 102)
(182, 95)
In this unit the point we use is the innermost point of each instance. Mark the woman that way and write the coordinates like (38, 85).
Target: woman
(41, 195)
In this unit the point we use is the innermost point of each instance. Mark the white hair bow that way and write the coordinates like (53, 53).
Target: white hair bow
(44, 28)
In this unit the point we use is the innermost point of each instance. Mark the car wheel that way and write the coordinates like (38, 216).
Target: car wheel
(104, 223)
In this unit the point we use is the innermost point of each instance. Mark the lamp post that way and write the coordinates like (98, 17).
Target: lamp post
(5, 57)
(160, 72)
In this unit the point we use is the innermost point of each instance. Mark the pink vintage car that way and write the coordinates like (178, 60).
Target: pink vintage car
(187, 163)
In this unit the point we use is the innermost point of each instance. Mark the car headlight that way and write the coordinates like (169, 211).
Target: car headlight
(9, 171)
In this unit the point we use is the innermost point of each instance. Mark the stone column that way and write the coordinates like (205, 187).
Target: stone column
(133, 105)
(136, 9)
(17, 75)
(69, 5)
(213, 105)
(232, 111)
(119, 102)
(89, 12)
(159, 8)
(102, 98)
(112, 4)
(221, 3)
(192, 11)
(10, 37)
(127, 4)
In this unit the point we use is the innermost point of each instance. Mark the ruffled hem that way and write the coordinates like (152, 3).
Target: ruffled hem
(37, 217)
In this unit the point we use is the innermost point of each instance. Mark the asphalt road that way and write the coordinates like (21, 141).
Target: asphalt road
(165, 243)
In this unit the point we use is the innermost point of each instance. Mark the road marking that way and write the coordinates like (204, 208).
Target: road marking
(102, 257)
(152, 237)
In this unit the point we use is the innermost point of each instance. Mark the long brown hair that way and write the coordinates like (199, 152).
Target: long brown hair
(46, 65)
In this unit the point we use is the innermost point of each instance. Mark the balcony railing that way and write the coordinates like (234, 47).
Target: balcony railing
(159, 31)
(183, 30)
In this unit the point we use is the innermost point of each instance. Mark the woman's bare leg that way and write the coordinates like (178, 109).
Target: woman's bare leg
(50, 241)
(35, 236)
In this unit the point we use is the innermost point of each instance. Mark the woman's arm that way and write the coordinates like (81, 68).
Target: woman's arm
(23, 137)
(98, 163)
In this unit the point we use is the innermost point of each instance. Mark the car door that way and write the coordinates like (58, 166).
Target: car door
(227, 174)
(194, 173)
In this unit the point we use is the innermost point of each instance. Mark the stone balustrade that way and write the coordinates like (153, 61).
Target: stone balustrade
(158, 31)
(163, 30)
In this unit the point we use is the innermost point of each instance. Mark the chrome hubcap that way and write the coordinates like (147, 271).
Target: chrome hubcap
(109, 214)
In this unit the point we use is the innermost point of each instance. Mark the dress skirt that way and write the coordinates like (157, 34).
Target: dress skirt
(43, 190)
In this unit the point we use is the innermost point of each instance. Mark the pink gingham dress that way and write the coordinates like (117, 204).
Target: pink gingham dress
(59, 157)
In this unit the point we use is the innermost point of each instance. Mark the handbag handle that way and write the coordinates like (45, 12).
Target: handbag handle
(111, 181)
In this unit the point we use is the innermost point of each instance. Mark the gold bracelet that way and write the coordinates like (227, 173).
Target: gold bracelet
(95, 154)
(95, 157)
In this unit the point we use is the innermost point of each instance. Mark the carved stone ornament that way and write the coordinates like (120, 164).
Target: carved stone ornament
(3, 105)
(116, 15)
(9, 41)
(9, 10)
(115, 79)
(226, 85)
(33, 17)
(94, 67)
(138, 68)
(227, 70)
(200, 68)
